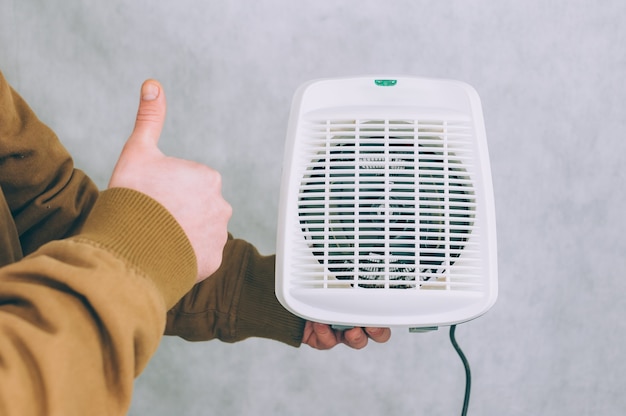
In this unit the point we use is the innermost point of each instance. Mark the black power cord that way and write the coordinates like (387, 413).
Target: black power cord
(468, 374)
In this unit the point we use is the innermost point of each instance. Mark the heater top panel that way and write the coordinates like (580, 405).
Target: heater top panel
(386, 204)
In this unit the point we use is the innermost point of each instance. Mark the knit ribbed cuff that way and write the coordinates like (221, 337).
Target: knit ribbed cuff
(143, 232)
(260, 314)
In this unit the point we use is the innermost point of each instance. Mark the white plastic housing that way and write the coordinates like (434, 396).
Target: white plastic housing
(386, 214)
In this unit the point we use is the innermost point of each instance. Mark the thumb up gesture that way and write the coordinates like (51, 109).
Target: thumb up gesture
(190, 191)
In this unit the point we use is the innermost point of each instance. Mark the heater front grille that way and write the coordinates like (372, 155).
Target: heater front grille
(387, 204)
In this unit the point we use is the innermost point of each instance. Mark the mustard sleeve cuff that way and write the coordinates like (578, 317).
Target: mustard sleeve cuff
(142, 231)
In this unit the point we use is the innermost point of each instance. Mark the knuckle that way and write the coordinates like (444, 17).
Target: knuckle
(327, 344)
(148, 113)
(216, 177)
(356, 338)
(209, 175)
(359, 344)
(379, 334)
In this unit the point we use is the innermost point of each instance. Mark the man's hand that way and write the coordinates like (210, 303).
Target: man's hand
(323, 337)
(191, 192)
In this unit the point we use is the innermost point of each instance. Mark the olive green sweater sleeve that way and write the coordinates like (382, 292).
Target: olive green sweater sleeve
(236, 302)
(80, 317)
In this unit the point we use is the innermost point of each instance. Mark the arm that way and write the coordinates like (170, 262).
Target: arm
(50, 200)
(80, 317)
(238, 302)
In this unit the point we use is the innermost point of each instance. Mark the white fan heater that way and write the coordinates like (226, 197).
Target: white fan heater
(387, 214)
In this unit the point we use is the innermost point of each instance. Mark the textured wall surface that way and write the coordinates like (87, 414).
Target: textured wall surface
(550, 75)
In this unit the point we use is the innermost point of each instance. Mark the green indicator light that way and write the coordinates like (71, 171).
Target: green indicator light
(386, 82)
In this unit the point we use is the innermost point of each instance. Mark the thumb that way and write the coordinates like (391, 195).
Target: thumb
(150, 116)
